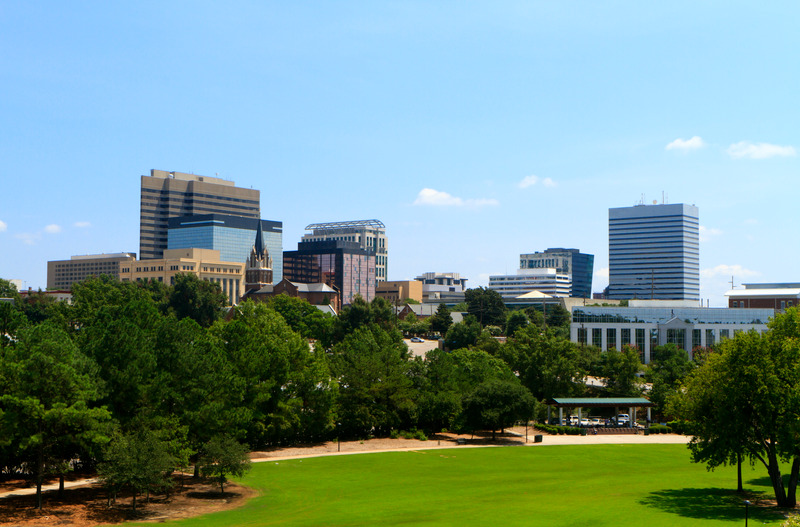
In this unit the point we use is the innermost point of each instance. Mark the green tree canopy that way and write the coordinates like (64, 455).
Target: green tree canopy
(486, 305)
(745, 401)
(441, 320)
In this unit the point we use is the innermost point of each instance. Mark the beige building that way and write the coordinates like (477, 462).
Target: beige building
(203, 263)
(61, 274)
(166, 195)
(399, 290)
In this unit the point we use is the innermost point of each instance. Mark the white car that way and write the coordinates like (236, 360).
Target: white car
(595, 421)
(623, 419)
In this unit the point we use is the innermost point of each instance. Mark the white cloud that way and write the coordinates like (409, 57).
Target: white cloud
(602, 273)
(28, 238)
(82, 224)
(438, 198)
(707, 233)
(746, 149)
(686, 144)
(725, 270)
(52, 229)
(3, 226)
(529, 181)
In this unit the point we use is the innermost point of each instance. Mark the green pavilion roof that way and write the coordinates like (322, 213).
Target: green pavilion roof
(604, 402)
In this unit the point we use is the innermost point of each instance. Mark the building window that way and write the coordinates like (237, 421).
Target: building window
(724, 334)
(709, 338)
(597, 337)
(611, 338)
(582, 336)
(735, 303)
(640, 339)
(696, 337)
(626, 337)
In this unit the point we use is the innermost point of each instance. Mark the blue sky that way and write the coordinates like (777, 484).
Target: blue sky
(474, 131)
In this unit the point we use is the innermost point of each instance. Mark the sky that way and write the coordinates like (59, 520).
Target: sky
(476, 131)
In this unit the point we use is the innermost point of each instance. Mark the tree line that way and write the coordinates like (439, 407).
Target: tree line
(138, 380)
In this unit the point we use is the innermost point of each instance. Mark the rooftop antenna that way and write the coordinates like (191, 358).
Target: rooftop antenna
(732, 282)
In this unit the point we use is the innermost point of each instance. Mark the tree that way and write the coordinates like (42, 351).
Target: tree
(375, 391)
(8, 290)
(11, 320)
(139, 460)
(486, 305)
(516, 320)
(548, 366)
(48, 387)
(462, 334)
(496, 404)
(621, 369)
(197, 299)
(223, 456)
(745, 401)
(441, 320)
(302, 317)
(668, 367)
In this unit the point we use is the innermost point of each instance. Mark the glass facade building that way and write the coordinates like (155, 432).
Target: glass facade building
(339, 264)
(232, 236)
(579, 266)
(166, 195)
(686, 327)
(654, 252)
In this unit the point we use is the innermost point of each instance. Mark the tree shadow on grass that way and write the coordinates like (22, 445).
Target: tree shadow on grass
(710, 503)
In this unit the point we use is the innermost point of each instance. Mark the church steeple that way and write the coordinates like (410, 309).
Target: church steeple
(258, 271)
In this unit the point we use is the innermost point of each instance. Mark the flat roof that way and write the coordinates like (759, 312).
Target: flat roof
(764, 292)
(599, 402)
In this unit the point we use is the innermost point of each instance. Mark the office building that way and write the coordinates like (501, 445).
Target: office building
(648, 327)
(370, 235)
(578, 266)
(654, 252)
(61, 274)
(203, 263)
(232, 236)
(445, 288)
(166, 195)
(397, 291)
(777, 296)
(341, 264)
(546, 281)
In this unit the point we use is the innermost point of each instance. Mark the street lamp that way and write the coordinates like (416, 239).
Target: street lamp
(746, 504)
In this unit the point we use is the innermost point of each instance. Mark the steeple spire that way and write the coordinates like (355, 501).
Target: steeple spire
(258, 271)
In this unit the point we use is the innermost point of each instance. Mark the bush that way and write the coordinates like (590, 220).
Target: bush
(679, 427)
(660, 429)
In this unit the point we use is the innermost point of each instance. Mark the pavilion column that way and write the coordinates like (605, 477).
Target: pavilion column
(560, 416)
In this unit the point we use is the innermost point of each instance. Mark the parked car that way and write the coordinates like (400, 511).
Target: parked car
(595, 421)
(623, 420)
(417, 339)
(585, 422)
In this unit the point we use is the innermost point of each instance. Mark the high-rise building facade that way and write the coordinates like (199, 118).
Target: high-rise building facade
(654, 252)
(578, 266)
(370, 235)
(337, 263)
(166, 195)
(232, 236)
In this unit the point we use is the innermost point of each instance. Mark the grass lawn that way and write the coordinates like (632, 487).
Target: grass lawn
(593, 485)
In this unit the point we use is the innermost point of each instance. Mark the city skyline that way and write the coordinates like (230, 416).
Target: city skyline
(475, 134)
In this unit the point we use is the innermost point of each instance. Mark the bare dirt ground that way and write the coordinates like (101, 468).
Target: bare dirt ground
(85, 504)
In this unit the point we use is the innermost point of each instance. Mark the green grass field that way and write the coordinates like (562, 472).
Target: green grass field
(593, 485)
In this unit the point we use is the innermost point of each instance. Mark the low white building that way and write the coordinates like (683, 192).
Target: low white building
(648, 327)
(547, 281)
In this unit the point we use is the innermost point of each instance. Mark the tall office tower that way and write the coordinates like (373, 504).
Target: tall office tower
(654, 252)
(337, 263)
(579, 266)
(166, 195)
(232, 236)
(370, 235)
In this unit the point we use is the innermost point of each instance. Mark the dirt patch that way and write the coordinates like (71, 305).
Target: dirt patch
(87, 505)
(380, 444)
